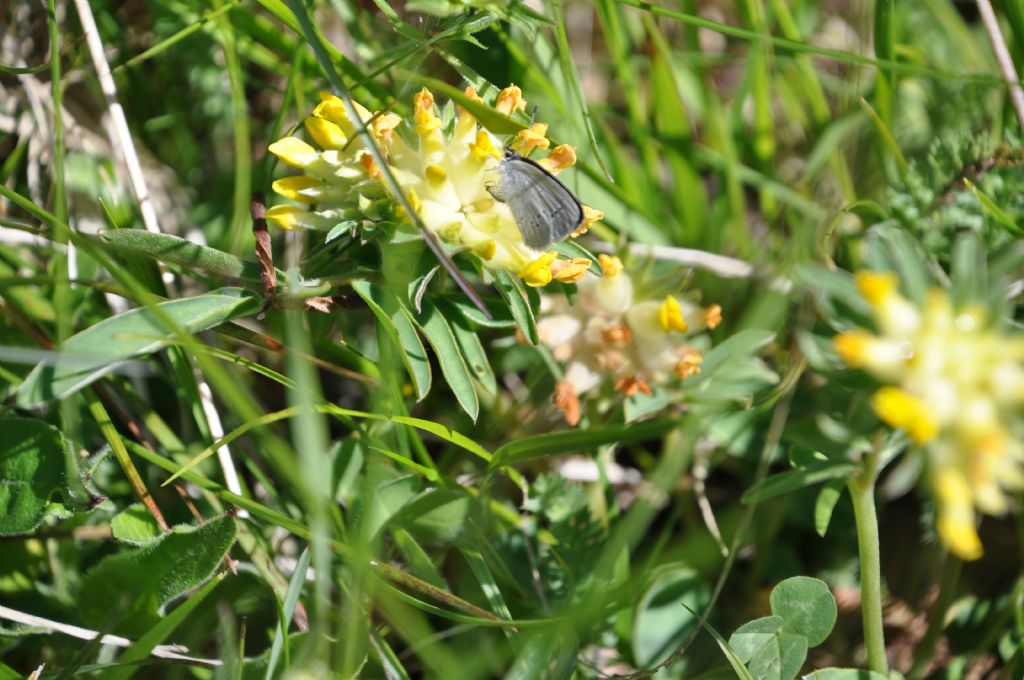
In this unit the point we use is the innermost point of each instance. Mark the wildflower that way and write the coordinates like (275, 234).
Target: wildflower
(443, 170)
(953, 382)
(607, 336)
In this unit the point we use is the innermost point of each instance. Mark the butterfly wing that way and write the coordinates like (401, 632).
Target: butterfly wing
(544, 208)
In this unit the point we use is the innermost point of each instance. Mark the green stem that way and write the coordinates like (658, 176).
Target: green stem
(862, 492)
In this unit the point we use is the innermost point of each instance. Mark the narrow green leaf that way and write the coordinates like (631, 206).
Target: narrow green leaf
(146, 579)
(509, 290)
(89, 354)
(438, 333)
(993, 210)
(176, 250)
(472, 350)
(291, 599)
(784, 482)
(399, 327)
(737, 666)
(969, 269)
(549, 444)
(487, 584)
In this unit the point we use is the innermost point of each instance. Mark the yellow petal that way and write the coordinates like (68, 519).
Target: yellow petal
(294, 152)
(484, 146)
(532, 137)
(423, 101)
(296, 188)
(325, 133)
(610, 264)
(851, 347)
(960, 537)
(876, 286)
(287, 217)
(689, 364)
(510, 100)
(435, 173)
(570, 271)
(901, 409)
(561, 157)
(713, 316)
(538, 272)
(670, 315)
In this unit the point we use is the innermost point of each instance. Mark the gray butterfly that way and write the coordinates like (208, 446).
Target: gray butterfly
(544, 208)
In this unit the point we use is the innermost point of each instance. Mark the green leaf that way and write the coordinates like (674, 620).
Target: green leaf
(992, 209)
(135, 524)
(769, 653)
(32, 468)
(745, 343)
(784, 482)
(969, 269)
(436, 516)
(142, 647)
(552, 443)
(439, 334)
(753, 635)
(89, 354)
(517, 304)
(138, 583)
(780, 659)
(399, 327)
(826, 503)
(639, 405)
(806, 606)
(664, 614)
(472, 350)
(176, 250)
(291, 599)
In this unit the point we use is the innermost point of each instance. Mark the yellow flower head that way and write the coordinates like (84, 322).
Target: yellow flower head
(447, 172)
(950, 380)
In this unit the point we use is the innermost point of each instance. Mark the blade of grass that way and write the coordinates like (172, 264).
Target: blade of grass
(573, 77)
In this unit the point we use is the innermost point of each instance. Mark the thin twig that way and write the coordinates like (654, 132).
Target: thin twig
(121, 141)
(1009, 72)
(161, 651)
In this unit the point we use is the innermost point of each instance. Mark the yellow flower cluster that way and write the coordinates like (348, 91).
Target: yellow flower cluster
(955, 385)
(607, 334)
(444, 176)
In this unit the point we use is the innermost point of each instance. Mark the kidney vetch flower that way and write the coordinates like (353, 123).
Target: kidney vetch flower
(955, 384)
(607, 335)
(444, 170)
